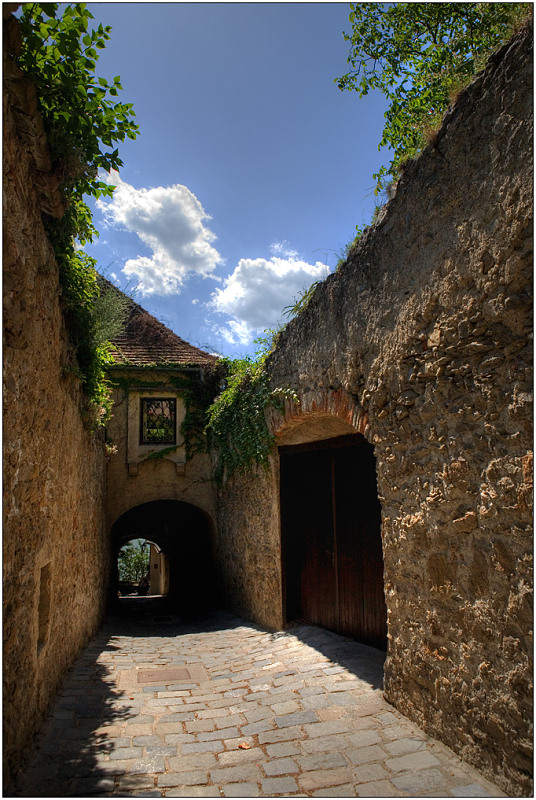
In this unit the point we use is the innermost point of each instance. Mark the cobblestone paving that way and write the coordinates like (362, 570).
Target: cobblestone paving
(298, 714)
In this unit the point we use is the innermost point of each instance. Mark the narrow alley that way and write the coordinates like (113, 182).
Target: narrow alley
(158, 706)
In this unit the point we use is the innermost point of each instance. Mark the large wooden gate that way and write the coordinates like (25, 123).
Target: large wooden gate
(331, 537)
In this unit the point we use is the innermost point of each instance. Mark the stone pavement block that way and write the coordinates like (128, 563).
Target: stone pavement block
(241, 790)
(470, 790)
(370, 772)
(232, 733)
(402, 747)
(321, 778)
(388, 718)
(178, 738)
(192, 778)
(238, 756)
(159, 702)
(332, 712)
(271, 786)
(424, 780)
(363, 755)
(196, 725)
(154, 764)
(133, 782)
(282, 735)
(310, 691)
(413, 761)
(194, 791)
(256, 714)
(125, 752)
(140, 741)
(194, 761)
(345, 790)
(114, 743)
(298, 718)
(327, 728)
(378, 789)
(343, 699)
(322, 761)
(286, 707)
(366, 738)
(283, 749)
(370, 707)
(202, 747)
(112, 767)
(316, 701)
(233, 774)
(402, 731)
(141, 730)
(257, 727)
(326, 744)
(256, 696)
(212, 713)
(280, 766)
(230, 721)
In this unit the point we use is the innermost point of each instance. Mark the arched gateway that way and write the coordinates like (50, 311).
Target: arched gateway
(159, 485)
(184, 535)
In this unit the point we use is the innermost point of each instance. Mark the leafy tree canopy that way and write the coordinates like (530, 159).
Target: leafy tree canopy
(133, 560)
(419, 55)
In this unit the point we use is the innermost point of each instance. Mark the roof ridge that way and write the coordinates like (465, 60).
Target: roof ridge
(147, 341)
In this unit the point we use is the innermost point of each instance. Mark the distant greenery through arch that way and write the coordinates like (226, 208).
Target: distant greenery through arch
(133, 560)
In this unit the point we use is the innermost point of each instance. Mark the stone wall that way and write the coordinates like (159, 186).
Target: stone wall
(55, 553)
(422, 342)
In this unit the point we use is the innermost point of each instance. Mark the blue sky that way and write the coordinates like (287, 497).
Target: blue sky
(251, 170)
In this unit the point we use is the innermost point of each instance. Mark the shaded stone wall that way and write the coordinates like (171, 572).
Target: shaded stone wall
(55, 553)
(422, 342)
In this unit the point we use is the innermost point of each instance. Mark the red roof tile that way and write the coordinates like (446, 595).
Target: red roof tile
(146, 341)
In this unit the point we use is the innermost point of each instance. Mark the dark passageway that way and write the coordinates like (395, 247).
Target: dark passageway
(184, 534)
(331, 537)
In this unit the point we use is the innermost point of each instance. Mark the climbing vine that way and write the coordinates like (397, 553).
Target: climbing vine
(83, 122)
(197, 390)
(237, 418)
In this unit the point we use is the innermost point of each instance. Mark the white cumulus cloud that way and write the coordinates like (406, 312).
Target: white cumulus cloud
(258, 289)
(170, 220)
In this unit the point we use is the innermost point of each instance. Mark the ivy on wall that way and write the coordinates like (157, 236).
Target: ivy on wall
(197, 389)
(83, 123)
(237, 424)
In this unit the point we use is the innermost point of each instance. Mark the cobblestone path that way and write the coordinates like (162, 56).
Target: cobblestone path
(156, 707)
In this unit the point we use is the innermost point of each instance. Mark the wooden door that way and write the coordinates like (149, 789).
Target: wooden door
(331, 537)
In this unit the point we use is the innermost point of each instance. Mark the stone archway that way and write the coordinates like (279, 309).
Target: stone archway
(185, 534)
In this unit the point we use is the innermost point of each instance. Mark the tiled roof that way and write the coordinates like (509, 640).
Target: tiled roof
(146, 341)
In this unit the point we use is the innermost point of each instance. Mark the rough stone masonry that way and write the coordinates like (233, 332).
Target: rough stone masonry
(421, 341)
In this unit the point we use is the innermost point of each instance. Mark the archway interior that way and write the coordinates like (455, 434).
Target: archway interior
(331, 537)
(183, 535)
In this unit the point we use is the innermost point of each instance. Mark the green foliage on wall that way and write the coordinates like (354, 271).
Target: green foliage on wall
(198, 389)
(83, 123)
(237, 422)
(419, 55)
